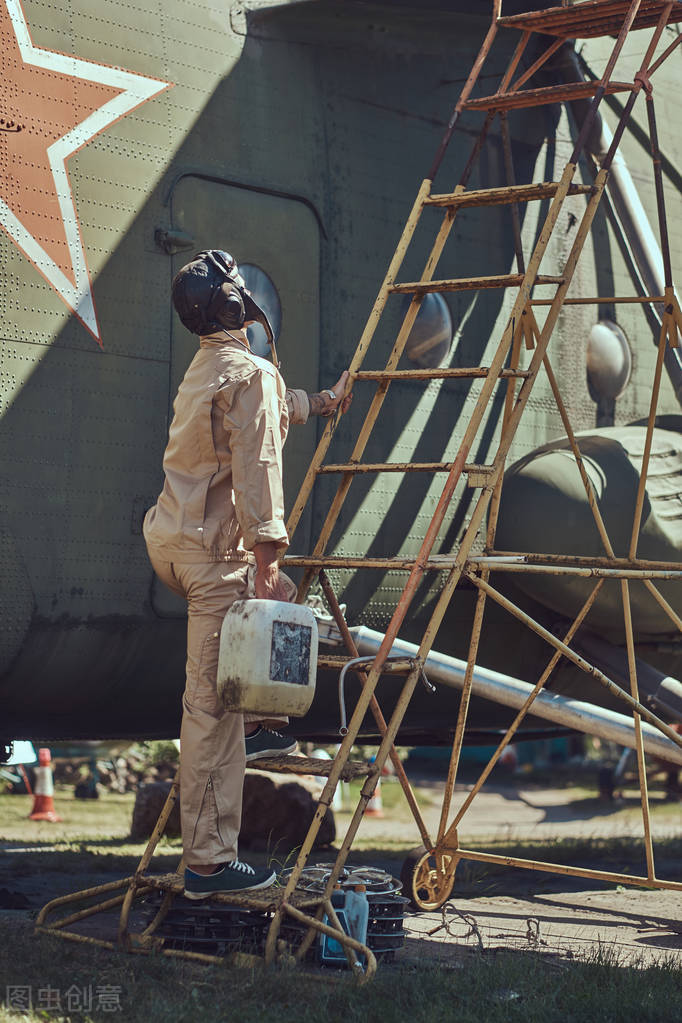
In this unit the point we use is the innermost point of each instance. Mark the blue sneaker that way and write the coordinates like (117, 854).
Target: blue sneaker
(266, 743)
(231, 879)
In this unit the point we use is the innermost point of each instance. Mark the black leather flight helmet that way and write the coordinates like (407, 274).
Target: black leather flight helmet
(210, 294)
(194, 291)
(224, 264)
(205, 297)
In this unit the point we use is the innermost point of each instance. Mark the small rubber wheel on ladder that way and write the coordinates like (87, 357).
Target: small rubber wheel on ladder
(424, 884)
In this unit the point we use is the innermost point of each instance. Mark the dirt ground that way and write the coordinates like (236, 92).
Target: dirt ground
(635, 926)
(536, 911)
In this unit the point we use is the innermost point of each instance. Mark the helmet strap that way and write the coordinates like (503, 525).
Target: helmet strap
(273, 354)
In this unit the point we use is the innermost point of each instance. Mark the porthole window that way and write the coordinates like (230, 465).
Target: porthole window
(431, 335)
(609, 361)
(265, 295)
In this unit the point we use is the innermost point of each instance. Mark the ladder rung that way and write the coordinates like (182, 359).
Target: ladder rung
(604, 300)
(507, 194)
(309, 765)
(467, 372)
(470, 283)
(391, 667)
(587, 20)
(437, 562)
(547, 94)
(361, 467)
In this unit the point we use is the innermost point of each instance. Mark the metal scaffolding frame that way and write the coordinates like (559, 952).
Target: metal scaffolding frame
(434, 874)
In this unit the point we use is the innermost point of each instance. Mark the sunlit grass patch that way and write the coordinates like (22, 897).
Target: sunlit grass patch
(498, 987)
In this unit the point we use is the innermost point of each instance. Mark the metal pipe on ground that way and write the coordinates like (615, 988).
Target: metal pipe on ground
(513, 692)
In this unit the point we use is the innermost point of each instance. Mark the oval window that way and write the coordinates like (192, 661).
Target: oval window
(609, 360)
(265, 295)
(431, 335)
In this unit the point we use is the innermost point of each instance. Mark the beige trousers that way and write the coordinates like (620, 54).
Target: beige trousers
(212, 756)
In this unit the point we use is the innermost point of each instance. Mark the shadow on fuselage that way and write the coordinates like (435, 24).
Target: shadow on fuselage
(347, 130)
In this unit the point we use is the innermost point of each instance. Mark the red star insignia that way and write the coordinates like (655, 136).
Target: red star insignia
(53, 104)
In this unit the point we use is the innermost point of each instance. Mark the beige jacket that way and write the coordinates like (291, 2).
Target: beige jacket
(223, 463)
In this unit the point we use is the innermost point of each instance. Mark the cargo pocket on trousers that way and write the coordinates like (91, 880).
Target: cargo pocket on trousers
(201, 692)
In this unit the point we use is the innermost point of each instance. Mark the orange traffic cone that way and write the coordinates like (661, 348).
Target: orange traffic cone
(43, 792)
(375, 807)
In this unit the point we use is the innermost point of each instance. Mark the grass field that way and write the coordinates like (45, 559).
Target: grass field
(474, 988)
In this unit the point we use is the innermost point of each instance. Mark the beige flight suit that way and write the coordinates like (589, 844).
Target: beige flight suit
(222, 495)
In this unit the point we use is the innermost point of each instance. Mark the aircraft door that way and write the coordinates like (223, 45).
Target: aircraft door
(277, 245)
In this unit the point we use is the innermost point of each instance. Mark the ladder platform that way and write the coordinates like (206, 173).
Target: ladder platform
(455, 373)
(590, 19)
(309, 765)
(470, 284)
(265, 900)
(504, 195)
(547, 94)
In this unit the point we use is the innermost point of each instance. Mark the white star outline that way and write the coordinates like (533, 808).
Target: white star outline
(136, 89)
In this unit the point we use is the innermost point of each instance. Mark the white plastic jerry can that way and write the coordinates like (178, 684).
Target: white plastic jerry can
(268, 658)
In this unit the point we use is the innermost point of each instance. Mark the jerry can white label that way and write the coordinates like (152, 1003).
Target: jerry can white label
(290, 653)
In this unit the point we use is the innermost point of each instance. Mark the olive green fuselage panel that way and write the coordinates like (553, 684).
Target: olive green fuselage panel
(295, 137)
